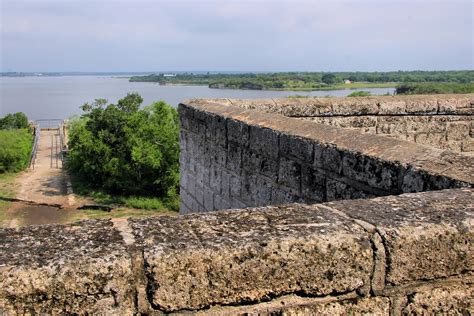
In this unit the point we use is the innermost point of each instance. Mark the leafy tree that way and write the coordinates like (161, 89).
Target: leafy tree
(15, 149)
(14, 121)
(125, 150)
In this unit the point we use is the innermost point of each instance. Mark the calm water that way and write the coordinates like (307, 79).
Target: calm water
(61, 97)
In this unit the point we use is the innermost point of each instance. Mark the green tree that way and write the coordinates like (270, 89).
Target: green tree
(125, 150)
(329, 78)
(14, 121)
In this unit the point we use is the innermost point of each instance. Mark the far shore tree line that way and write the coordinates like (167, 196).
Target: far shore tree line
(310, 80)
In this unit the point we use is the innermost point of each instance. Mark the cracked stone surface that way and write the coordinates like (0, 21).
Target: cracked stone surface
(240, 257)
(426, 235)
(75, 269)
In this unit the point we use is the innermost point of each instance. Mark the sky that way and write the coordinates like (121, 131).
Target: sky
(235, 35)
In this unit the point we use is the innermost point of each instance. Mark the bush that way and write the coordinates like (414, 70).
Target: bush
(14, 121)
(124, 150)
(434, 88)
(360, 94)
(15, 149)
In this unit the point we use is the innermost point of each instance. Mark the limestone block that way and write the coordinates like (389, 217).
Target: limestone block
(391, 125)
(297, 147)
(256, 163)
(237, 257)
(238, 132)
(468, 145)
(82, 268)
(234, 158)
(426, 235)
(392, 105)
(289, 174)
(313, 184)
(447, 300)
(337, 190)
(363, 306)
(327, 157)
(216, 131)
(432, 139)
(264, 141)
(283, 195)
(354, 106)
(374, 172)
(423, 104)
(457, 131)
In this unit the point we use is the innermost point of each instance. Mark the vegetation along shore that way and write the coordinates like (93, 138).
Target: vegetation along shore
(310, 81)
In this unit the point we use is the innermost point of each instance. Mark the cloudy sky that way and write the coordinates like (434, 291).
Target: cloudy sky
(220, 35)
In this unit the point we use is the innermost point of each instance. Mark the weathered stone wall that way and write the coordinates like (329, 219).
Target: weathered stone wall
(442, 121)
(410, 254)
(235, 157)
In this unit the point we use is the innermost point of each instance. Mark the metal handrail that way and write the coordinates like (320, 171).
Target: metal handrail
(34, 150)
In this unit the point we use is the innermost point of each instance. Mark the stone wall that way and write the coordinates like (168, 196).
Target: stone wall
(235, 154)
(410, 254)
(442, 121)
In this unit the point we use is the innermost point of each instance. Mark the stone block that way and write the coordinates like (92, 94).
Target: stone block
(261, 189)
(422, 105)
(336, 190)
(236, 257)
(369, 170)
(354, 106)
(468, 145)
(297, 147)
(215, 179)
(264, 141)
(234, 158)
(327, 157)
(392, 106)
(225, 184)
(221, 203)
(427, 235)
(208, 199)
(235, 187)
(457, 131)
(313, 184)
(441, 300)
(199, 195)
(238, 132)
(83, 268)
(283, 195)
(256, 163)
(289, 174)
(356, 306)
(216, 131)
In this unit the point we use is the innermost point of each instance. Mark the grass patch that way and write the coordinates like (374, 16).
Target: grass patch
(147, 203)
(7, 190)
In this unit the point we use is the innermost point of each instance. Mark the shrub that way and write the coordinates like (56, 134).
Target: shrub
(360, 94)
(15, 149)
(14, 121)
(125, 150)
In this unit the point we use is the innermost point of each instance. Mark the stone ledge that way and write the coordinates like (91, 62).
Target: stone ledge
(65, 269)
(418, 160)
(317, 258)
(400, 105)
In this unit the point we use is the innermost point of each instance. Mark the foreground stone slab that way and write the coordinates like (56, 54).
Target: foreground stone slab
(426, 235)
(75, 269)
(242, 257)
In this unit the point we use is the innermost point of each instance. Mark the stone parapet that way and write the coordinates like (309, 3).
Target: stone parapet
(440, 121)
(389, 255)
(233, 157)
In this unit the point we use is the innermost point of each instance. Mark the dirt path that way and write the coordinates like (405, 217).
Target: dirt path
(47, 182)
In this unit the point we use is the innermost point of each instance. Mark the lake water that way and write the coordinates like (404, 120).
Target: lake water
(61, 97)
